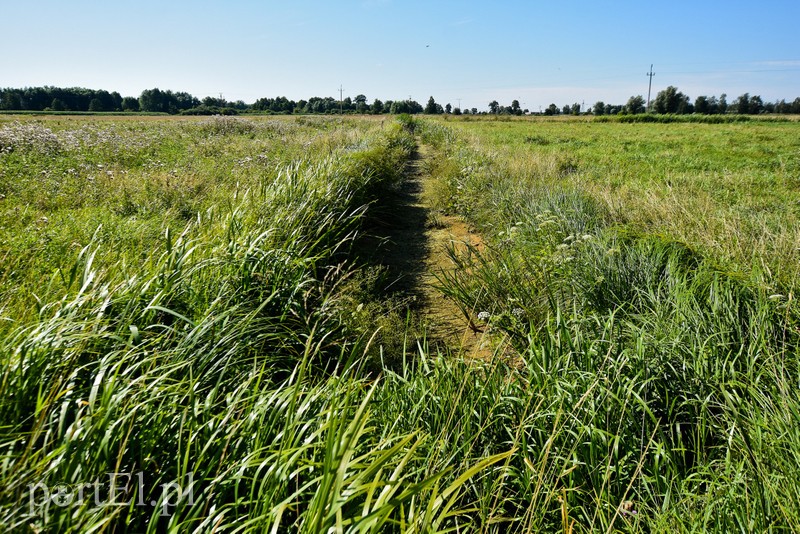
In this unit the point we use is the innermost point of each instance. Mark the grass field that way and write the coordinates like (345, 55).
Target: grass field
(197, 333)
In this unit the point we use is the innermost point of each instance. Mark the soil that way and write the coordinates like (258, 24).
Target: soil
(416, 253)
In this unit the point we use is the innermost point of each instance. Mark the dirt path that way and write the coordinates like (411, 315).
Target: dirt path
(418, 253)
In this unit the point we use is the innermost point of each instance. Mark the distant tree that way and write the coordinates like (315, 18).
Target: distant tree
(213, 102)
(702, 105)
(377, 107)
(723, 103)
(153, 100)
(361, 103)
(575, 109)
(567, 109)
(11, 100)
(599, 108)
(116, 100)
(494, 107)
(448, 108)
(670, 100)
(96, 105)
(130, 104)
(515, 109)
(430, 107)
(742, 104)
(756, 105)
(635, 105)
(474, 111)
(183, 101)
(552, 109)
(456, 111)
(796, 106)
(406, 106)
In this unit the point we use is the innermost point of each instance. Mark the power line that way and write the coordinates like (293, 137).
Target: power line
(650, 85)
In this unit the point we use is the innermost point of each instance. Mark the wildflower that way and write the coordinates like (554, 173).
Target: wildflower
(627, 508)
(484, 316)
(519, 313)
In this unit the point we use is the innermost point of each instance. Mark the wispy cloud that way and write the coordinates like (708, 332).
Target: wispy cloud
(780, 63)
(462, 22)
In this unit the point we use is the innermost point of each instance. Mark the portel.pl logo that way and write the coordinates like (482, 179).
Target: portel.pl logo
(115, 489)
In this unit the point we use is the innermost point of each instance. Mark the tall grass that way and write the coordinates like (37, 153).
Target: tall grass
(658, 362)
(222, 367)
(203, 370)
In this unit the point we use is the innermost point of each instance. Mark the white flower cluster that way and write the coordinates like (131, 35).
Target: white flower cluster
(28, 137)
(226, 125)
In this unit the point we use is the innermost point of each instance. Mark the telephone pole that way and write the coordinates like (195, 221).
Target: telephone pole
(650, 85)
(340, 99)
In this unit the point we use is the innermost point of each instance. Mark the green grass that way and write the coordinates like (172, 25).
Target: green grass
(185, 301)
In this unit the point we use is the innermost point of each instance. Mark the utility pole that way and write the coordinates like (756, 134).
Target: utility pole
(650, 85)
(341, 105)
(459, 104)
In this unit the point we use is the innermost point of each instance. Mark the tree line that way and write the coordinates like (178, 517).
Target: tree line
(670, 100)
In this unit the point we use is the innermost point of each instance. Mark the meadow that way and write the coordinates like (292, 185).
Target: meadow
(198, 307)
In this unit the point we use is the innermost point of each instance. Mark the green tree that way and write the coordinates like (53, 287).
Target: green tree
(130, 104)
(431, 108)
(756, 105)
(377, 107)
(96, 105)
(575, 109)
(515, 109)
(670, 100)
(723, 103)
(599, 108)
(10, 100)
(742, 104)
(448, 108)
(494, 107)
(635, 105)
(702, 105)
(153, 100)
(361, 104)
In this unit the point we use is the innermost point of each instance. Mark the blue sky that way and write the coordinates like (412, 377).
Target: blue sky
(536, 52)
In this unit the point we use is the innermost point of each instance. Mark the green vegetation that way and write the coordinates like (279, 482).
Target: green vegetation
(187, 304)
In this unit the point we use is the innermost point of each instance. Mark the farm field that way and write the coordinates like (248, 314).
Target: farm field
(217, 324)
